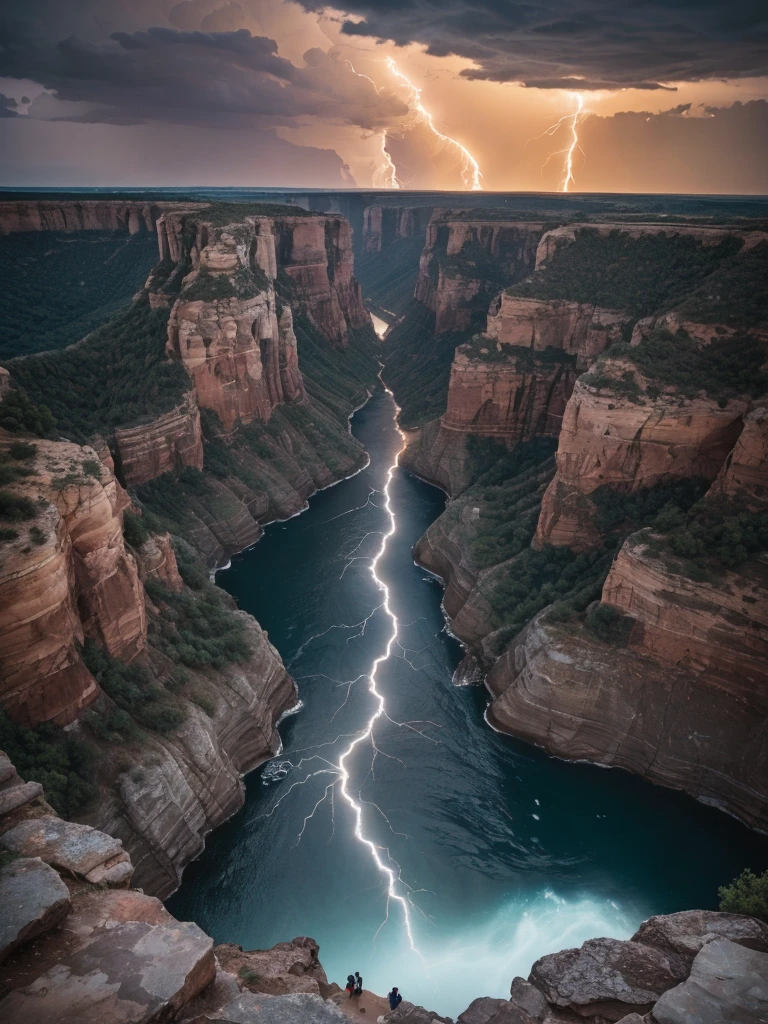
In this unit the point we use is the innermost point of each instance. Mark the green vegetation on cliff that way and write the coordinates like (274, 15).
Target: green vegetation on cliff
(388, 278)
(59, 286)
(118, 376)
(616, 271)
(736, 294)
(61, 763)
(418, 365)
(747, 894)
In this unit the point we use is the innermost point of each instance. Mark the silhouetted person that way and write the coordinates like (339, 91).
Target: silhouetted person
(350, 986)
(358, 984)
(394, 998)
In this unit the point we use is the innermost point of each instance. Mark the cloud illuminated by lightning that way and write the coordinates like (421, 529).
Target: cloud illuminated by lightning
(470, 169)
(385, 175)
(572, 120)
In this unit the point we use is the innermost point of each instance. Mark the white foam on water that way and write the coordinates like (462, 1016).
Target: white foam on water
(482, 960)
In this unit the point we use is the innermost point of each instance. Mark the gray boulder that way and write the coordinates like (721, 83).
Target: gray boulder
(135, 972)
(79, 849)
(528, 998)
(295, 1008)
(728, 985)
(481, 1010)
(408, 1013)
(605, 977)
(34, 900)
(681, 936)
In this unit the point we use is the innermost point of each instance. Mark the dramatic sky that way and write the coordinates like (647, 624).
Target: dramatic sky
(663, 95)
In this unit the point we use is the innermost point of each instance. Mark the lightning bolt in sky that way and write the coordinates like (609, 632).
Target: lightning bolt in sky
(398, 891)
(385, 175)
(572, 120)
(470, 169)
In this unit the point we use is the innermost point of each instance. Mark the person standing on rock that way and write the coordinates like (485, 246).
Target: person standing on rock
(394, 998)
(350, 986)
(358, 983)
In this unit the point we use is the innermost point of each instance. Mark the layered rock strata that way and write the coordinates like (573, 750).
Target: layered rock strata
(383, 225)
(454, 280)
(66, 576)
(629, 445)
(165, 445)
(80, 215)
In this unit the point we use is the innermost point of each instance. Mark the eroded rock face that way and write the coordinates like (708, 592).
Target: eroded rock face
(718, 629)
(188, 782)
(81, 215)
(501, 398)
(157, 561)
(608, 440)
(453, 280)
(578, 329)
(683, 935)
(72, 579)
(383, 225)
(165, 445)
(744, 474)
(560, 688)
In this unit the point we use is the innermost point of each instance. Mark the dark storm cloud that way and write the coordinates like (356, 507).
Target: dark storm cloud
(619, 43)
(8, 106)
(224, 78)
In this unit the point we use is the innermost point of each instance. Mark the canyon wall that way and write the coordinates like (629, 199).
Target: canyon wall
(382, 225)
(609, 440)
(467, 259)
(165, 445)
(67, 575)
(81, 215)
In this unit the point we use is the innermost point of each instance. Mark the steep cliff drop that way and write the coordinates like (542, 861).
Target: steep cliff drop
(667, 675)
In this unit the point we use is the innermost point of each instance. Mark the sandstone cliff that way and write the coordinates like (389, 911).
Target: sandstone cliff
(66, 575)
(608, 439)
(165, 445)
(382, 225)
(81, 215)
(467, 259)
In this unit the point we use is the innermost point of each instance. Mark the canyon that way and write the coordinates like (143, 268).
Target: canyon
(649, 656)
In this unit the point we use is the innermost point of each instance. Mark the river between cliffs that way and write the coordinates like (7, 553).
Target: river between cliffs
(500, 853)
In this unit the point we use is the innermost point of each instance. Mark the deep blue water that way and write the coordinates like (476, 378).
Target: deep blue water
(508, 853)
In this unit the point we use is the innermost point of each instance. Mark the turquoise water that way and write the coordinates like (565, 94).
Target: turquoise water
(504, 853)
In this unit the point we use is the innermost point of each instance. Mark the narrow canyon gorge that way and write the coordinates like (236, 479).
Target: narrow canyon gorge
(587, 386)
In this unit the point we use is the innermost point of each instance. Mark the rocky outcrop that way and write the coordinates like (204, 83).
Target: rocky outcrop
(578, 329)
(678, 968)
(507, 396)
(166, 445)
(80, 215)
(716, 627)
(744, 474)
(287, 967)
(609, 440)
(178, 787)
(383, 225)
(559, 687)
(438, 456)
(157, 561)
(67, 575)
(34, 901)
(466, 259)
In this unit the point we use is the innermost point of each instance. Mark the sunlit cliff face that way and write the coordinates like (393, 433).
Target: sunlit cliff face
(295, 94)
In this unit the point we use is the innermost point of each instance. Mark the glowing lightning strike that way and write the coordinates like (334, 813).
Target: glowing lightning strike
(367, 734)
(572, 120)
(385, 175)
(470, 169)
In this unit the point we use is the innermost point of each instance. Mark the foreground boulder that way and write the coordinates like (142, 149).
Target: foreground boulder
(77, 849)
(295, 1008)
(728, 983)
(408, 1013)
(34, 901)
(135, 972)
(606, 977)
(681, 936)
(287, 967)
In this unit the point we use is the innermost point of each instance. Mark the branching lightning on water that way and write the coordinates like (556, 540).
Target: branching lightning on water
(572, 120)
(397, 890)
(470, 169)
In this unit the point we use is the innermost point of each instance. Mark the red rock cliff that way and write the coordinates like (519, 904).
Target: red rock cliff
(466, 260)
(80, 215)
(607, 439)
(74, 578)
(165, 445)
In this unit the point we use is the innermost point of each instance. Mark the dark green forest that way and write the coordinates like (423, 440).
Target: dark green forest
(58, 286)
